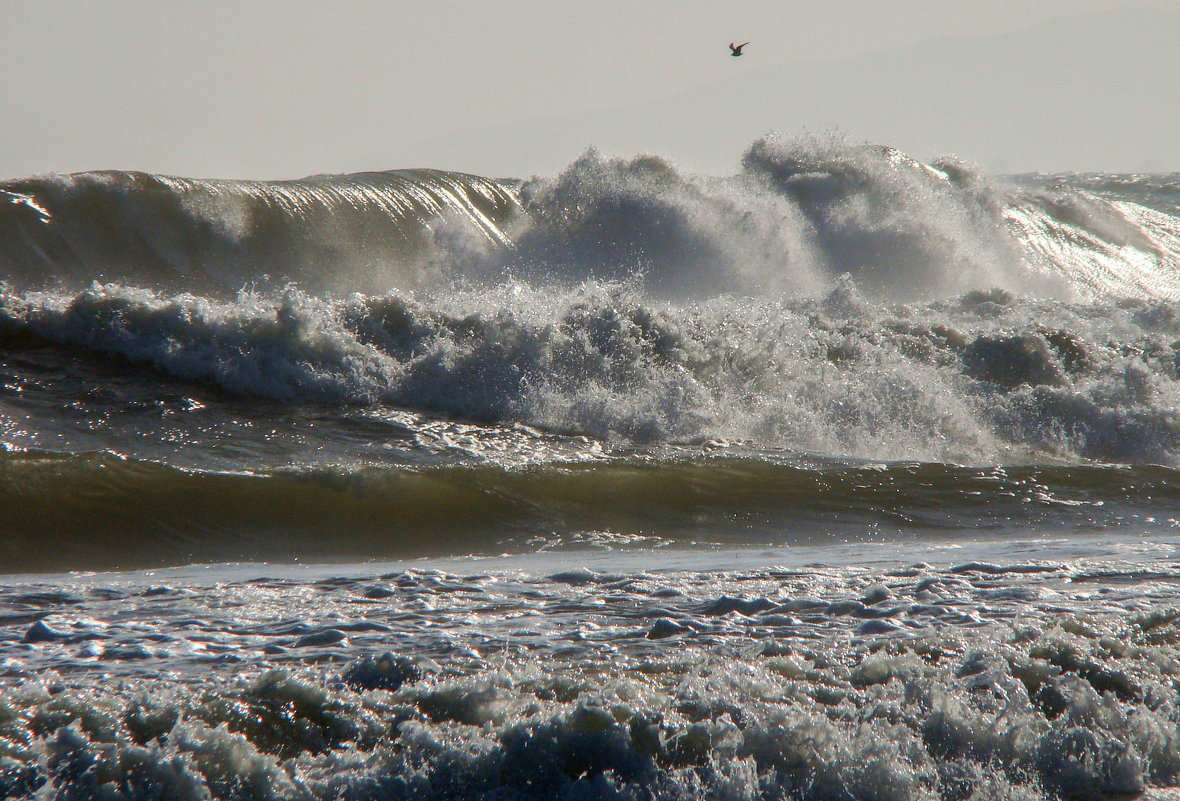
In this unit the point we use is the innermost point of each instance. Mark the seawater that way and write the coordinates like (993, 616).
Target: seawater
(844, 477)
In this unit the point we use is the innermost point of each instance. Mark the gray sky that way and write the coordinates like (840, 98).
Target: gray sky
(284, 89)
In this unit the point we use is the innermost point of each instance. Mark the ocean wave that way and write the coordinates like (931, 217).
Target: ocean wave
(364, 232)
(106, 511)
(831, 298)
(801, 214)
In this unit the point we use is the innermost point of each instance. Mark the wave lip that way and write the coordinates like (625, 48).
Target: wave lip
(340, 233)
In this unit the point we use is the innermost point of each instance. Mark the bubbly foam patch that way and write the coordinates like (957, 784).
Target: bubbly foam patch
(976, 680)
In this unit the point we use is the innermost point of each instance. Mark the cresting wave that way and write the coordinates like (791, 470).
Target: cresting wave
(800, 214)
(333, 232)
(167, 340)
(837, 299)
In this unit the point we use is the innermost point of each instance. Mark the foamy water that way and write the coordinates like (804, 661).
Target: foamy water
(1031, 679)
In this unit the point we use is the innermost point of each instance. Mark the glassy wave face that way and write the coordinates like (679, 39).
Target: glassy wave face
(839, 342)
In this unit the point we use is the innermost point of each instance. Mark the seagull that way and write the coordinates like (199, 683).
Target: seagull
(736, 50)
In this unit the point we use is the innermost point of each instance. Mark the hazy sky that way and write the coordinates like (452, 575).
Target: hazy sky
(284, 89)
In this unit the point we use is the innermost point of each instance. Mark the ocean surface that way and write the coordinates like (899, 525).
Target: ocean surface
(847, 477)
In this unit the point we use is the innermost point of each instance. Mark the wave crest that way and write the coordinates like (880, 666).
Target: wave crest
(338, 233)
(801, 213)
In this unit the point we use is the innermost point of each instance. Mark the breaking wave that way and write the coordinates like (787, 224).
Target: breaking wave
(799, 215)
(831, 298)
(334, 232)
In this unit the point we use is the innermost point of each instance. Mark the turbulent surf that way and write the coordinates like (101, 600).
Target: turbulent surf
(838, 355)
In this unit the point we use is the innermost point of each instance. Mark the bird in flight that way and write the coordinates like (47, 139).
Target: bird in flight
(736, 50)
